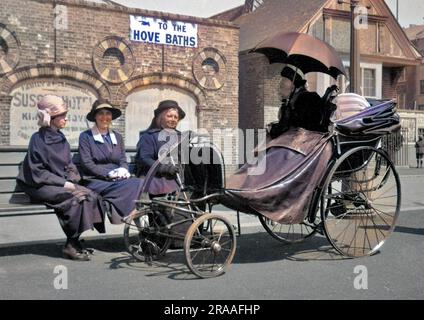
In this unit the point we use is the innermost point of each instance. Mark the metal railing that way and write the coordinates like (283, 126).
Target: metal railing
(397, 147)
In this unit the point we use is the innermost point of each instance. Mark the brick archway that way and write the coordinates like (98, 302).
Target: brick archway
(161, 79)
(54, 70)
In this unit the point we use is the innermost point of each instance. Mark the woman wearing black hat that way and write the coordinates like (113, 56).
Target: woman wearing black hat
(104, 163)
(163, 128)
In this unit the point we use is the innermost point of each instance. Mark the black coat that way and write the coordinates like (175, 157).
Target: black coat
(44, 171)
(148, 148)
(48, 161)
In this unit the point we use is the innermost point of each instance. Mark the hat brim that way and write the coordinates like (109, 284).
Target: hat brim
(181, 112)
(116, 113)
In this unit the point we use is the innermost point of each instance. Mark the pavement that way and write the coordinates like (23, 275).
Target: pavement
(410, 171)
(263, 269)
(25, 230)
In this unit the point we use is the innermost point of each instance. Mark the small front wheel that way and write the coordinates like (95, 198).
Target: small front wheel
(209, 251)
(145, 235)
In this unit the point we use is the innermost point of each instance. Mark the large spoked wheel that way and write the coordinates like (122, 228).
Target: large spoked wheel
(288, 233)
(145, 235)
(209, 251)
(360, 202)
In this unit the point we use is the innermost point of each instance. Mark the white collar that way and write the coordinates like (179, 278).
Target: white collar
(98, 136)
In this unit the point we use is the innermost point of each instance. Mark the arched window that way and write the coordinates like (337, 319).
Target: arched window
(142, 103)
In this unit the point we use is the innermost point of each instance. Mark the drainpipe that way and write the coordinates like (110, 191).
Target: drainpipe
(54, 32)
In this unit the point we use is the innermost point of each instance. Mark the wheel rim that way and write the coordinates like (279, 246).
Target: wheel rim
(288, 233)
(140, 239)
(360, 203)
(210, 252)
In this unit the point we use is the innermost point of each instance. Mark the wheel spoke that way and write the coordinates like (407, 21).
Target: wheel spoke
(213, 259)
(363, 201)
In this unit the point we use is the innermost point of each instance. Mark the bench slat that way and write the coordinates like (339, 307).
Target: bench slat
(11, 157)
(22, 207)
(9, 185)
(13, 202)
(29, 212)
(18, 197)
(8, 171)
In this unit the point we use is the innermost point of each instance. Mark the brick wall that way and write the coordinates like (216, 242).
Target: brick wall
(389, 83)
(251, 96)
(88, 24)
(419, 77)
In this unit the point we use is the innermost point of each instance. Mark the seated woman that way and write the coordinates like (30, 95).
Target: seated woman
(292, 84)
(48, 175)
(303, 108)
(161, 130)
(291, 162)
(104, 164)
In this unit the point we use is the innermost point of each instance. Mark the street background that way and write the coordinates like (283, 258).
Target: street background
(263, 268)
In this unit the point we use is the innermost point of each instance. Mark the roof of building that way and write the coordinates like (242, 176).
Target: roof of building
(230, 14)
(415, 32)
(107, 2)
(288, 15)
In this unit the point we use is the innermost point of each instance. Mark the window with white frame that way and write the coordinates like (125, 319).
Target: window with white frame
(372, 80)
(369, 82)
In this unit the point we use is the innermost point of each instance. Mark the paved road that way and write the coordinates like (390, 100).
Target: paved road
(262, 269)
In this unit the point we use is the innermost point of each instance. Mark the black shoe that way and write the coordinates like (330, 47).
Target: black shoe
(69, 252)
(79, 245)
(338, 208)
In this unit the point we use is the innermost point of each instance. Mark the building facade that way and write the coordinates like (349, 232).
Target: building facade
(387, 57)
(415, 81)
(84, 50)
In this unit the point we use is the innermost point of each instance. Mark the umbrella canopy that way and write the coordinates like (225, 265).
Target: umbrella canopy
(303, 51)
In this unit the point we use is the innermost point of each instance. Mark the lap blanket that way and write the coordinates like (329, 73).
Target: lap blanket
(293, 165)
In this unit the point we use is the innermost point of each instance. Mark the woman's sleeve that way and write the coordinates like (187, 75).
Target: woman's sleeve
(146, 151)
(37, 165)
(86, 158)
(72, 173)
(123, 158)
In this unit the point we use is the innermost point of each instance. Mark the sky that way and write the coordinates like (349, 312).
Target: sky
(410, 11)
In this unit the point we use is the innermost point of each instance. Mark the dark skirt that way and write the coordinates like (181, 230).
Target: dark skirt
(161, 186)
(74, 217)
(119, 194)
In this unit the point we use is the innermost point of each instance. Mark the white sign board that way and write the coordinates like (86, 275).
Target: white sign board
(158, 31)
(23, 109)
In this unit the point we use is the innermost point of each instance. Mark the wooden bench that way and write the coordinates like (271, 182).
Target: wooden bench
(13, 201)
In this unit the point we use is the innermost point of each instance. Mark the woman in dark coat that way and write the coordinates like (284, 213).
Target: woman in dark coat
(104, 164)
(161, 130)
(48, 175)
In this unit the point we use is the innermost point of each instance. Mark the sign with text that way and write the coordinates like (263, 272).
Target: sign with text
(158, 31)
(23, 109)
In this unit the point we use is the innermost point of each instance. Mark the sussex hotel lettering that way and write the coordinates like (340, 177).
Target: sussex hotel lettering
(157, 31)
(23, 111)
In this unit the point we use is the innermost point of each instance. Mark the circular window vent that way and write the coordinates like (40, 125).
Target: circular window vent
(113, 60)
(209, 69)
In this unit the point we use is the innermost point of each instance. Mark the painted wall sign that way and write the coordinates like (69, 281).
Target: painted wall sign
(158, 31)
(23, 109)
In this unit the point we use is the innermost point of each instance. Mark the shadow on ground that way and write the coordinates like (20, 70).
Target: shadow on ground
(251, 248)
